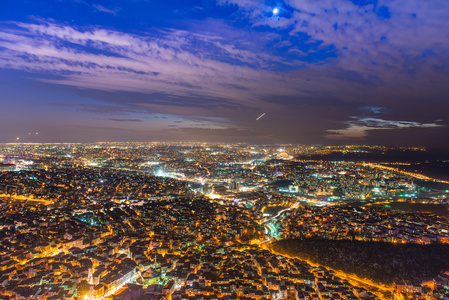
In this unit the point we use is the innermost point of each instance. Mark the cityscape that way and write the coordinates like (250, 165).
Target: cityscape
(219, 221)
(224, 150)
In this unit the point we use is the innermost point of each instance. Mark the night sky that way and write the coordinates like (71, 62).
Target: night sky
(323, 72)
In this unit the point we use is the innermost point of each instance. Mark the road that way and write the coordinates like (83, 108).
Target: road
(26, 198)
(355, 280)
(267, 223)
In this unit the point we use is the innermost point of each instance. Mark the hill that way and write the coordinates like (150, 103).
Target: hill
(381, 262)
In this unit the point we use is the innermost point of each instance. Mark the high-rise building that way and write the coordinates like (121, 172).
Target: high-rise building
(207, 189)
(235, 185)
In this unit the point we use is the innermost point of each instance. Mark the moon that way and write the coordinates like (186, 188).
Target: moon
(275, 11)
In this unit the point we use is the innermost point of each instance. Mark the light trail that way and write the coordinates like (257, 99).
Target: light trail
(260, 116)
(270, 231)
(278, 215)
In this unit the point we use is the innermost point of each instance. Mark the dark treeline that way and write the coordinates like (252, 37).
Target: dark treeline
(380, 262)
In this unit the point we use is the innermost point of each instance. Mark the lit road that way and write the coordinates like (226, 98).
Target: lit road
(117, 288)
(269, 227)
(416, 175)
(280, 213)
(26, 198)
(355, 280)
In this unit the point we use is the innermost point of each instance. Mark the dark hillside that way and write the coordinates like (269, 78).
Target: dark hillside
(380, 262)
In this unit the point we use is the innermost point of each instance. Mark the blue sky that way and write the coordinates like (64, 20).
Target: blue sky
(331, 71)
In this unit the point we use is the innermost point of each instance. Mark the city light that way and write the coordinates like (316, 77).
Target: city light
(122, 226)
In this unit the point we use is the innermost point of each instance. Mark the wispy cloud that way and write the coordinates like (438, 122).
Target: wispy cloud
(124, 120)
(358, 128)
(101, 8)
(379, 37)
(308, 66)
(373, 109)
(178, 62)
(101, 109)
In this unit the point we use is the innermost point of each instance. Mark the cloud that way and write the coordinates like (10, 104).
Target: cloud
(101, 109)
(372, 37)
(175, 62)
(124, 120)
(101, 8)
(310, 66)
(358, 128)
(373, 109)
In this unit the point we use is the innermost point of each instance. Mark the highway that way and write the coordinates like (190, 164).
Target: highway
(267, 223)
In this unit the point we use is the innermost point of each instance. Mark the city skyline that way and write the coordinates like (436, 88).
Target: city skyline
(333, 72)
(181, 221)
